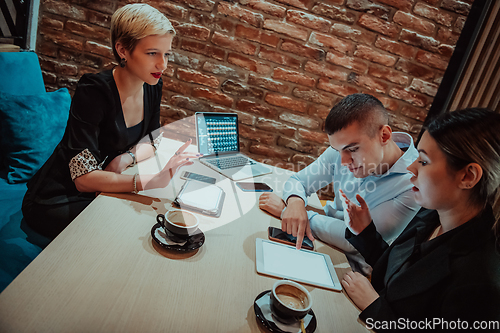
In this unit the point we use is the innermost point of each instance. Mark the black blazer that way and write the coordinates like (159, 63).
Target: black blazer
(457, 280)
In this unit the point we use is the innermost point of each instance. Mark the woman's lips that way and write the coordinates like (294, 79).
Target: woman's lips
(156, 75)
(415, 189)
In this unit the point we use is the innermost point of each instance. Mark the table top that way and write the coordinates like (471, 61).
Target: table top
(104, 273)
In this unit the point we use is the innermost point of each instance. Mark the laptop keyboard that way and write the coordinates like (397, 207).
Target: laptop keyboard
(230, 162)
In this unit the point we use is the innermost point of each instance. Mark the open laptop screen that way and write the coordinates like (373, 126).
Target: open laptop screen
(217, 133)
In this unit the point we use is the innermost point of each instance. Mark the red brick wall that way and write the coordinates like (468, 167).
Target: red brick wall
(280, 65)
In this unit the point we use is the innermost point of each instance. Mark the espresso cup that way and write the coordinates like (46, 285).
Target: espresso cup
(290, 301)
(179, 222)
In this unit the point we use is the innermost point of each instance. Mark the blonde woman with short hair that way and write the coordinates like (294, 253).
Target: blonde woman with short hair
(111, 112)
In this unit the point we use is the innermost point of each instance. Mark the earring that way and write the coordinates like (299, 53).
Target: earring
(123, 62)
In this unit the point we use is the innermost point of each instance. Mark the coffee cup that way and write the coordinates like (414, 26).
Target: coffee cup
(290, 301)
(179, 222)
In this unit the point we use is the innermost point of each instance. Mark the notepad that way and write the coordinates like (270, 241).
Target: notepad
(305, 266)
(201, 197)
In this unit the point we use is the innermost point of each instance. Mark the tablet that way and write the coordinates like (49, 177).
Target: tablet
(201, 197)
(305, 266)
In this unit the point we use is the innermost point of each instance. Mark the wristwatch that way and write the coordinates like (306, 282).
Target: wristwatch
(134, 161)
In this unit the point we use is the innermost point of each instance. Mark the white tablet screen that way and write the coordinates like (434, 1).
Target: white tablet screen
(286, 261)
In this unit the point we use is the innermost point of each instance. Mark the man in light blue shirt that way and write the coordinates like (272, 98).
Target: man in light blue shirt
(364, 158)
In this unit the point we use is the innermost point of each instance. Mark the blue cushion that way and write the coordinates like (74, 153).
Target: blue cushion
(11, 197)
(32, 126)
(17, 249)
(20, 73)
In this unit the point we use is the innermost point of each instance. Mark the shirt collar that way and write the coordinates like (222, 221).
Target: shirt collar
(410, 155)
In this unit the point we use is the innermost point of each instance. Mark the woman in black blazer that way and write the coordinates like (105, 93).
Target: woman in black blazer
(443, 271)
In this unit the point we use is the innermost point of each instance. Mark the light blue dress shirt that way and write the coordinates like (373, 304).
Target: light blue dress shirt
(388, 196)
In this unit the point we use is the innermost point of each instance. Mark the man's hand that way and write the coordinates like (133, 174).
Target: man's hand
(359, 216)
(294, 220)
(272, 204)
(359, 289)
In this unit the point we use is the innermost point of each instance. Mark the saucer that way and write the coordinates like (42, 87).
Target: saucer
(169, 241)
(263, 313)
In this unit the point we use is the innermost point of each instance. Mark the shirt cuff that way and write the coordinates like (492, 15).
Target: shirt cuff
(295, 195)
(83, 163)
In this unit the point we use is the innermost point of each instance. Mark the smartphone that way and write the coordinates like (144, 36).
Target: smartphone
(254, 187)
(197, 177)
(278, 235)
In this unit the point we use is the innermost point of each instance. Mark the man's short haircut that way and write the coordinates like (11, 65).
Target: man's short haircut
(364, 109)
(132, 22)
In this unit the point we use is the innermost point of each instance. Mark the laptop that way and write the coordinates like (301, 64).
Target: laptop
(218, 140)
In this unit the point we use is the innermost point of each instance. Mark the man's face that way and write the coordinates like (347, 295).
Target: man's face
(360, 153)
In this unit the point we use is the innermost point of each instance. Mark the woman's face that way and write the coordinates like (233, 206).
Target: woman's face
(436, 186)
(150, 57)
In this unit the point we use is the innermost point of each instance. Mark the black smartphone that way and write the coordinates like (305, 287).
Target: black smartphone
(254, 187)
(197, 177)
(278, 235)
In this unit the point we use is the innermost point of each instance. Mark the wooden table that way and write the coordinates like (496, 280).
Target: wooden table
(104, 273)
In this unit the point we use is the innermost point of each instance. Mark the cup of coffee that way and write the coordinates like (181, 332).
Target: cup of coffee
(290, 301)
(179, 222)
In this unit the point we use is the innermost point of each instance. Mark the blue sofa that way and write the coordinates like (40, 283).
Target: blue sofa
(32, 122)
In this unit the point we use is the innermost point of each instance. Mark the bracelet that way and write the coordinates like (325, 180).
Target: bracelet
(134, 161)
(135, 184)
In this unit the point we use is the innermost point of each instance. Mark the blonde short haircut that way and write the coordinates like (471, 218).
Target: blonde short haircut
(133, 22)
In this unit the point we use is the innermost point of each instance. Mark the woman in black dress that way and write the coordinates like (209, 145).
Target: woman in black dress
(443, 271)
(110, 113)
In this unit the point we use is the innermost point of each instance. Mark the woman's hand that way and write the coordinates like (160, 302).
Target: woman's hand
(359, 289)
(359, 216)
(180, 159)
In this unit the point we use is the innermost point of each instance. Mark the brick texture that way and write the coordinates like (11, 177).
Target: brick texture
(376, 24)
(280, 65)
(287, 29)
(265, 7)
(256, 35)
(244, 15)
(414, 23)
(307, 20)
(334, 12)
(367, 6)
